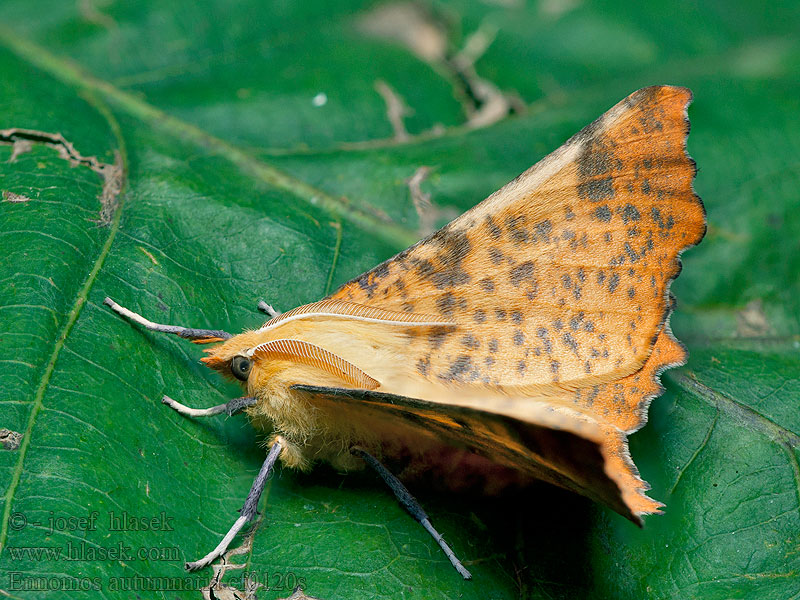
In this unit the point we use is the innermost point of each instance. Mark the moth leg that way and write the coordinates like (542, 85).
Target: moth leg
(201, 336)
(267, 308)
(246, 513)
(412, 506)
(231, 408)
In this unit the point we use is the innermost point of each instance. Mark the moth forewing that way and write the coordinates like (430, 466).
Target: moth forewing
(561, 278)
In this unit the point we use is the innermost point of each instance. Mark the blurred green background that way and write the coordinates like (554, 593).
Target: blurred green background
(264, 151)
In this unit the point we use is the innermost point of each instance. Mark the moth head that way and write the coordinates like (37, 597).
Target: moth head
(233, 358)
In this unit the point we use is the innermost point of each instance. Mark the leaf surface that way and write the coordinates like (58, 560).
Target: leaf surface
(259, 161)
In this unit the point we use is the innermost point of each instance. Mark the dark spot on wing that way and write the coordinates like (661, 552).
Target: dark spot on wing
(663, 224)
(522, 273)
(446, 304)
(592, 395)
(424, 365)
(495, 255)
(516, 228)
(613, 282)
(459, 369)
(649, 115)
(470, 341)
(630, 213)
(455, 246)
(596, 157)
(494, 230)
(603, 213)
(596, 189)
(554, 365)
(367, 283)
(436, 338)
(570, 341)
(381, 271)
(542, 335)
(632, 254)
(487, 285)
(543, 230)
(424, 268)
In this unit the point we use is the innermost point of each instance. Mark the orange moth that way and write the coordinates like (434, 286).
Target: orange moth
(525, 338)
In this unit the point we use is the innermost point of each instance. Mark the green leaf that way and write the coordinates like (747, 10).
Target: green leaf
(259, 161)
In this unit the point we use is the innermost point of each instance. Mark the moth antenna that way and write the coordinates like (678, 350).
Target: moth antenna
(412, 506)
(268, 309)
(231, 408)
(314, 356)
(246, 513)
(200, 336)
(358, 312)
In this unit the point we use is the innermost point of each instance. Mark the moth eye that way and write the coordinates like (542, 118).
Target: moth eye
(240, 367)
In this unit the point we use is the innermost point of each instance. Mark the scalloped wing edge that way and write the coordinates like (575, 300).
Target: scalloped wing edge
(667, 352)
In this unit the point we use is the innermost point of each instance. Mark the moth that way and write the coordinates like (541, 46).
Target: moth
(523, 340)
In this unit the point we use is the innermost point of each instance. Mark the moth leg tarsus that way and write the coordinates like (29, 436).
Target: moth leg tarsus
(231, 408)
(268, 309)
(411, 505)
(189, 333)
(246, 514)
